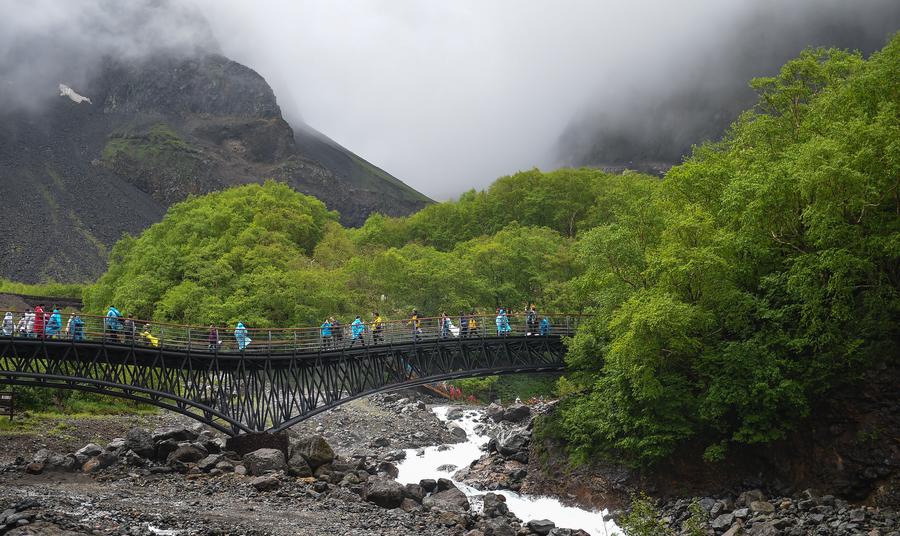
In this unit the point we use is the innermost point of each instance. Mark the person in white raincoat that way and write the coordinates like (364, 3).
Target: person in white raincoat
(8, 325)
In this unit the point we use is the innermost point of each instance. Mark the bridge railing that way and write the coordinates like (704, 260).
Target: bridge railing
(125, 331)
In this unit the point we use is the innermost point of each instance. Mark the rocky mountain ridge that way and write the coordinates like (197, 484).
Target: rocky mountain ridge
(76, 175)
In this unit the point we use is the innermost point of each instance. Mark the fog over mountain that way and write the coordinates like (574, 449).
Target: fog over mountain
(450, 95)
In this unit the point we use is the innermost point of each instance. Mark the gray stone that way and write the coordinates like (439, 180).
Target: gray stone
(428, 484)
(141, 442)
(763, 529)
(722, 521)
(314, 449)
(447, 468)
(385, 492)
(210, 462)
(744, 499)
(761, 507)
(449, 500)
(494, 505)
(178, 433)
(497, 526)
(389, 469)
(116, 444)
(89, 450)
(187, 454)
(444, 484)
(100, 461)
(541, 526)
(457, 433)
(414, 492)
(166, 447)
(707, 504)
(263, 460)
(516, 413)
(409, 505)
(494, 412)
(454, 414)
(742, 513)
(513, 443)
(266, 483)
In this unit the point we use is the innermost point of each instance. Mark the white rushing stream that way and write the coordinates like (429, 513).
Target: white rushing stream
(415, 468)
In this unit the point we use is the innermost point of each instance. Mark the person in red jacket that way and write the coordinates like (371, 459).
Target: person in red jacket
(39, 321)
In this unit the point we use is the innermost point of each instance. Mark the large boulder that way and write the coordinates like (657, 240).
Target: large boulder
(89, 450)
(385, 492)
(516, 413)
(449, 500)
(178, 433)
(457, 432)
(494, 412)
(263, 460)
(497, 526)
(314, 449)
(141, 442)
(514, 444)
(266, 483)
(166, 447)
(541, 526)
(188, 453)
(495, 505)
(100, 461)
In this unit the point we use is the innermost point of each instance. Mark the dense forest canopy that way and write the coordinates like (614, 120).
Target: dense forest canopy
(753, 278)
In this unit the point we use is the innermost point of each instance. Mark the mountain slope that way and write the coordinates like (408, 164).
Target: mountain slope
(75, 176)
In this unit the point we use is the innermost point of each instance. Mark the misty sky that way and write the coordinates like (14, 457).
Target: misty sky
(451, 95)
(445, 95)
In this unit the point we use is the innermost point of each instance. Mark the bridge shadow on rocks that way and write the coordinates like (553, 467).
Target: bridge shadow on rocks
(275, 386)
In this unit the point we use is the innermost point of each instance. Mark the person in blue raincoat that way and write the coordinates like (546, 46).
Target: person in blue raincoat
(113, 323)
(545, 327)
(502, 323)
(326, 334)
(240, 335)
(77, 328)
(54, 325)
(357, 328)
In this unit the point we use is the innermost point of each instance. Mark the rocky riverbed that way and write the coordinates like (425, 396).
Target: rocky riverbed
(337, 474)
(333, 475)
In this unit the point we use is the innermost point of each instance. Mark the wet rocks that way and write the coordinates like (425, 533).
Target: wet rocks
(448, 500)
(513, 445)
(264, 460)
(541, 527)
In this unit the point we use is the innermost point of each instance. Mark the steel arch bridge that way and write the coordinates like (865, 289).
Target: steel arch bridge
(276, 385)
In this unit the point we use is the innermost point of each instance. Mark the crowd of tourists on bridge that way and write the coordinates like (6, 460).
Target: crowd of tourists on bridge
(40, 323)
(48, 324)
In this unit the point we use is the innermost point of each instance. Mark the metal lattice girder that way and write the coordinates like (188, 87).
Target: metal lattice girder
(236, 392)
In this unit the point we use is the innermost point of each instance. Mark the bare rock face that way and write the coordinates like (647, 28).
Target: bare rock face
(155, 131)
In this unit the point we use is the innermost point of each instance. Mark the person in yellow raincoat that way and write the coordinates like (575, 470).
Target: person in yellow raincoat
(148, 337)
